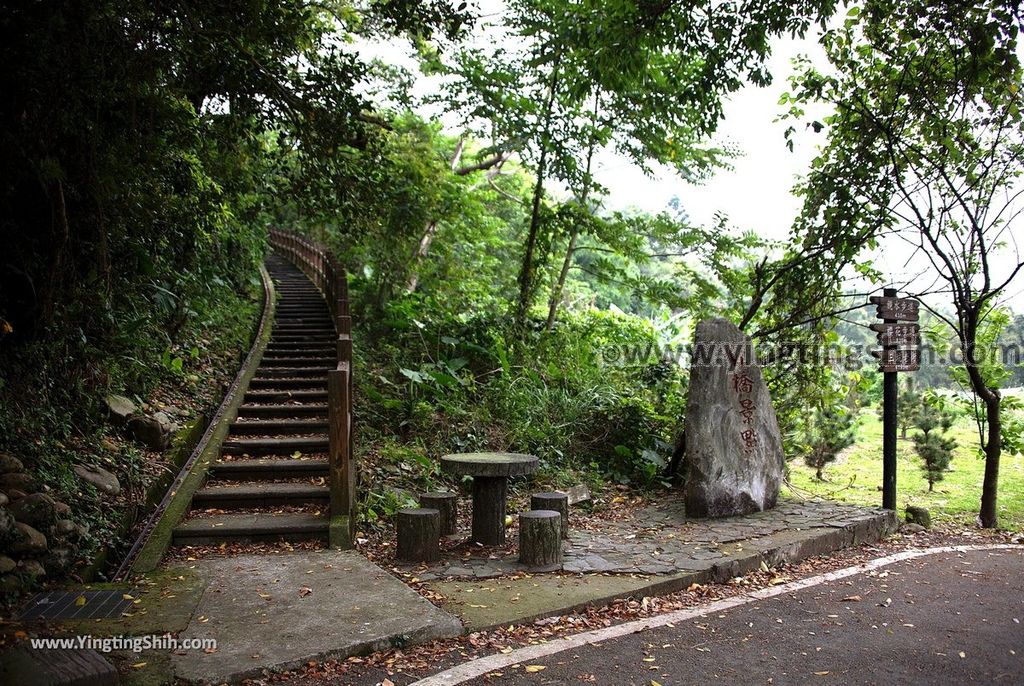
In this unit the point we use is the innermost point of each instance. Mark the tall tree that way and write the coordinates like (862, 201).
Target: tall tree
(927, 143)
(659, 70)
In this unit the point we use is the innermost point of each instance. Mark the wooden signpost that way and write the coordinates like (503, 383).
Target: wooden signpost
(898, 335)
(900, 338)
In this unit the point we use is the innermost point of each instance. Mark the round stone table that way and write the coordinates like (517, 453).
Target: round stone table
(490, 472)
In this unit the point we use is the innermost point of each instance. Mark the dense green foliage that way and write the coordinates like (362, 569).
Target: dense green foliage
(498, 303)
(143, 146)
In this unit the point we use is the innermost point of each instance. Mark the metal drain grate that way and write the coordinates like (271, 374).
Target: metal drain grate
(79, 604)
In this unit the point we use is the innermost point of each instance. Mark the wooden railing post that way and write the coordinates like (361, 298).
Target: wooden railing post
(341, 467)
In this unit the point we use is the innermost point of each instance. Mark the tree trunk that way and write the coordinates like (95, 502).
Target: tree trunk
(447, 504)
(430, 230)
(540, 541)
(419, 534)
(490, 494)
(556, 292)
(526, 271)
(993, 444)
(421, 251)
(993, 451)
(556, 501)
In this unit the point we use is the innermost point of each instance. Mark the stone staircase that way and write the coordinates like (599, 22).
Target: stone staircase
(270, 483)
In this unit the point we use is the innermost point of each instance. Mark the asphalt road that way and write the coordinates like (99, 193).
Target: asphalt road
(948, 618)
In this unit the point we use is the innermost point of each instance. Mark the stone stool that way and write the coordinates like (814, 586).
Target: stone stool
(540, 540)
(559, 502)
(419, 534)
(445, 503)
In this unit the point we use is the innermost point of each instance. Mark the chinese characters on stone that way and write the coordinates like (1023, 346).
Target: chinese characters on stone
(744, 385)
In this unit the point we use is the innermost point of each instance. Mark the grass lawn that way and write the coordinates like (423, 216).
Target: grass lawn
(856, 477)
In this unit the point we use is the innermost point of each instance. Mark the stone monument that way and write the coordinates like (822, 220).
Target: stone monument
(733, 446)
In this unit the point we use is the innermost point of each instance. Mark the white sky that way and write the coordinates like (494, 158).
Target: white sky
(755, 194)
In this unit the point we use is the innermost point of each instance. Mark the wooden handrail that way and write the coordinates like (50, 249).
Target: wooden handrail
(316, 262)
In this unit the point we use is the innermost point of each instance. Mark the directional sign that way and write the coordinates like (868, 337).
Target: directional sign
(893, 360)
(900, 309)
(896, 335)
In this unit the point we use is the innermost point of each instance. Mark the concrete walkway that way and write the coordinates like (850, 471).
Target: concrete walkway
(280, 611)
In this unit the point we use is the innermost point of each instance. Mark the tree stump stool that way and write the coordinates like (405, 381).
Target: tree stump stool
(540, 540)
(445, 503)
(559, 502)
(419, 534)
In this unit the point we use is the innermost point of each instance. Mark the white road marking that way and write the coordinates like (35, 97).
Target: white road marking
(484, 665)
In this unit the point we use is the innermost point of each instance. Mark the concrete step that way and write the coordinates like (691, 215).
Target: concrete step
(265, 383)
(292, 330)
(302, 316)
(324, 351)
(269, 395)
(264, 427)
(267, 469)
(298, 361)
(279, 372)
(251, 527)
(275, 446)
(304, 339)
(255, 494)
(314, 322)
(299, 347)
(301, 353)
(320, 339)
(283, 410)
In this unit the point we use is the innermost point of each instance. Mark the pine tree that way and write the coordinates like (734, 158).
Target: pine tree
(932, 445)
(908, 409)
(831, 432)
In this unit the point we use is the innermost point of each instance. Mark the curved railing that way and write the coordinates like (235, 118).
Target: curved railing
(314, 260)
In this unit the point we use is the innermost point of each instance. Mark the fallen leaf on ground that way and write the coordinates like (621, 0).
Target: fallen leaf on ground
(535, 668)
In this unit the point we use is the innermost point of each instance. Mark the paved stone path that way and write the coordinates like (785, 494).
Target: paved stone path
(661, 540)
